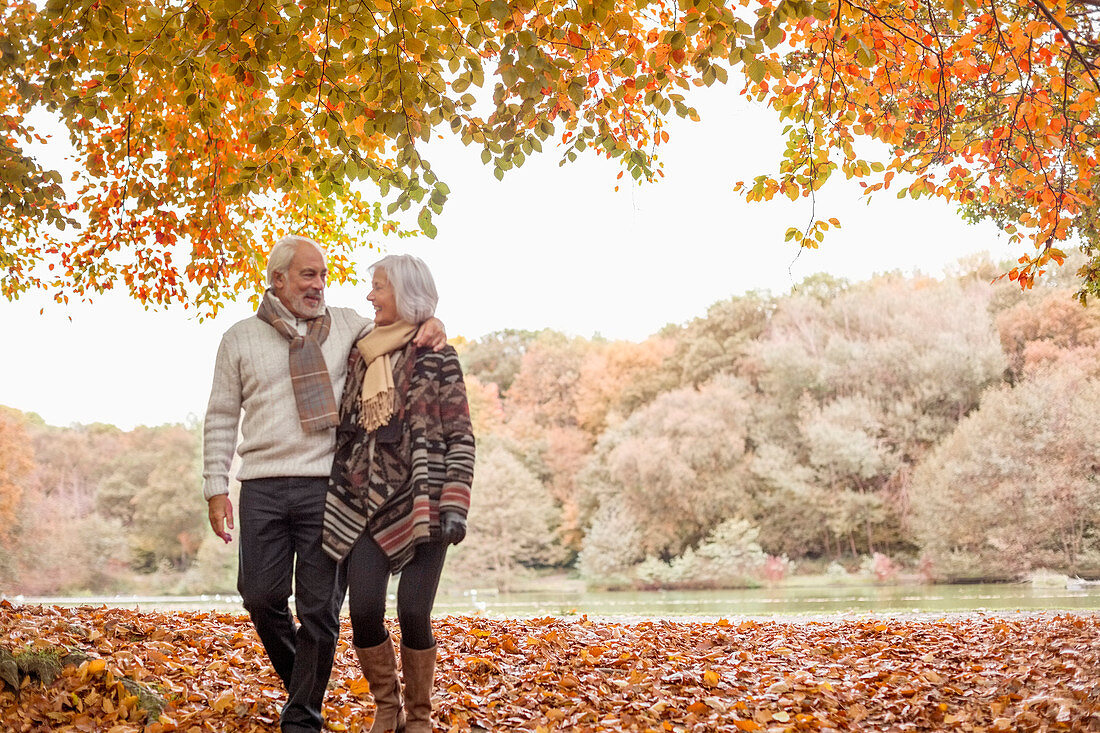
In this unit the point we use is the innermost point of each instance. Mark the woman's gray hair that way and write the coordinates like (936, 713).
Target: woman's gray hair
(413, 286)
(278, 259)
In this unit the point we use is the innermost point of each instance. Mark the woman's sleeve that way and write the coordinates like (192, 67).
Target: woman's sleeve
(458, 433)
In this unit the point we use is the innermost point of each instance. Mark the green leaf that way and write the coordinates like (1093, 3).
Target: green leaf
(755, 71)
(424, 221)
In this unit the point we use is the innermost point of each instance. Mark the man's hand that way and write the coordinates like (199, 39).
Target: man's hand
(452, 528)
(221, 516)
(431, 334)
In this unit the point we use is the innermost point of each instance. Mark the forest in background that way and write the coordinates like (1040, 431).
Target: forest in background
(942, 428)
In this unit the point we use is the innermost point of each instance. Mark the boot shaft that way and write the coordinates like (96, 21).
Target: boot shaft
(418, 668)
(379, 665)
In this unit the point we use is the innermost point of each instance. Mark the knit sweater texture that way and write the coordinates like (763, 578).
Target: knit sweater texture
(252, 392)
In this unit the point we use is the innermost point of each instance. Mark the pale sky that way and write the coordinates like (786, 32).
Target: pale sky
(549, 247)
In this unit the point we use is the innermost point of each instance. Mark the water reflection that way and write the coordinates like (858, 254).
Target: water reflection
(761, 602)
(776, 601)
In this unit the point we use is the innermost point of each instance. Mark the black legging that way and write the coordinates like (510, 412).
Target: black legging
(368, 574)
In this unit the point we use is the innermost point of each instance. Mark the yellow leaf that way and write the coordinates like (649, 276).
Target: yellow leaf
(710, 678)
(223, 702)
(781, 716)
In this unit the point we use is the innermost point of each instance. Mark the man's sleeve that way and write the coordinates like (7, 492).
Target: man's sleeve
(364, 325)
(223, 413)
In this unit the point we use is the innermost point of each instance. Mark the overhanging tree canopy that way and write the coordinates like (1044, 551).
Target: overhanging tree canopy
(199, 125)
(990, 105)
(198, 121)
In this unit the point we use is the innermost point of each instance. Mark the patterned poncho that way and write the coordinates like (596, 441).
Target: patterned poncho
(395, 482)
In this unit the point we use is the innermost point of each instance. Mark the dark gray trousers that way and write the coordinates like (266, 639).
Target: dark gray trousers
(280, 521)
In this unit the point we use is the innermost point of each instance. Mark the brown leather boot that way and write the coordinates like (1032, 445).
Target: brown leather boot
(418, 668)
(380, 668)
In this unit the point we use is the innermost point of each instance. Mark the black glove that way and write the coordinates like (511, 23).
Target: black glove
(452, 528)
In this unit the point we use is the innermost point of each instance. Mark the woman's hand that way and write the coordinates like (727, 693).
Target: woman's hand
(431, 334)
(452, 528)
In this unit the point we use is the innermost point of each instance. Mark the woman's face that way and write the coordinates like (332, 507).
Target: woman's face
(383, 299)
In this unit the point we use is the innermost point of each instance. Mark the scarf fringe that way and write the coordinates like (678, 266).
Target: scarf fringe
(377, 395)
(376, 410)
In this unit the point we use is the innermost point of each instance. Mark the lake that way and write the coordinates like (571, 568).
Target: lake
(787, 601)
(781, 601)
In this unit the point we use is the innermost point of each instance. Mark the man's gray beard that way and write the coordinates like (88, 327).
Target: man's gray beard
(301, 307)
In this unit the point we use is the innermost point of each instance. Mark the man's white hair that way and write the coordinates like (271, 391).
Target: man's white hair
(413, 286)
(278, 260)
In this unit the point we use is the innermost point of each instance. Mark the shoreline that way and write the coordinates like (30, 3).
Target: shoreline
(164, 604)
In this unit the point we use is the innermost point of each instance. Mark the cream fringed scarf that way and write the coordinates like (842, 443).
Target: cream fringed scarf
(376, 407)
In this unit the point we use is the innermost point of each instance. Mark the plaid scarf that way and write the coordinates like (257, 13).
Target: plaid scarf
(308, 371)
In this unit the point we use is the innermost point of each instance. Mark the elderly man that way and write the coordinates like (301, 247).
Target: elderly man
(282, 369)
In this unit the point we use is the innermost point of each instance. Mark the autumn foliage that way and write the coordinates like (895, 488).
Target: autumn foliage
(200, 127)
(16, 464)
(197, 127)
(208, 672)
(991, 106)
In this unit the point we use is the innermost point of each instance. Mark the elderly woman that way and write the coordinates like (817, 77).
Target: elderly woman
(400, 487)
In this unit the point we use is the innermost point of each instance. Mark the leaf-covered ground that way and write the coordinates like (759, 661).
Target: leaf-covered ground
(979, 673)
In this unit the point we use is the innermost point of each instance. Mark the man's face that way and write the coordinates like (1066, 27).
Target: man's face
(302, 287)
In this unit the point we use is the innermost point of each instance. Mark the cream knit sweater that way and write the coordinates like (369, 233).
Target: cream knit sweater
(252, 376)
